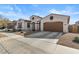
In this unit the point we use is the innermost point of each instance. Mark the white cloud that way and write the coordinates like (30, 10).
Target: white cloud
(39, 14)
(14, 15)
(13, 12)
(17, 8)
(67, 11)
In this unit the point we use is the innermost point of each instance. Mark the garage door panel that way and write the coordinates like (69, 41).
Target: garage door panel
(53, 26)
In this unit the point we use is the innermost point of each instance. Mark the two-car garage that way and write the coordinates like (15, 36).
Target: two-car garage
(55, 23)
(53, 26)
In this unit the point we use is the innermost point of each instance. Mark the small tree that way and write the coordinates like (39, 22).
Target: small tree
(4, 21)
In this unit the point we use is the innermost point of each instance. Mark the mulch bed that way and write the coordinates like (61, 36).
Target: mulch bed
(23, 33)
(67, 40)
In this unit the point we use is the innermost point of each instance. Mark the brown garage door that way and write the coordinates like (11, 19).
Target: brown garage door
(53, 26)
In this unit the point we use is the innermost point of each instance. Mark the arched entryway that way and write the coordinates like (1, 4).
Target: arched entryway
(33, 26)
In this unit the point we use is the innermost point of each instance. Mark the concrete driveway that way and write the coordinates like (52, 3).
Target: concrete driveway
(50, 35)
(16, 44)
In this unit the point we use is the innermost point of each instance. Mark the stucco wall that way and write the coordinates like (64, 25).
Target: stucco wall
(24, 25)
(56, 18)
(19, 21)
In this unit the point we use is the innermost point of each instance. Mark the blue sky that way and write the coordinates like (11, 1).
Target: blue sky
(16, 11)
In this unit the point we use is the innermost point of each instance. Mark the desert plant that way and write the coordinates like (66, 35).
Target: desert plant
(76, 39)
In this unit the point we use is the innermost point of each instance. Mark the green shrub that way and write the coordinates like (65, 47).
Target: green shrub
(76, 39)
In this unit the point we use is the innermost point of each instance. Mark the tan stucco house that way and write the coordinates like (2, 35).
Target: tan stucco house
(51, 22)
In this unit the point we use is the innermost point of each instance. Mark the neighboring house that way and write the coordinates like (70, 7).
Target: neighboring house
(11, 25)
(77, 23)
(22, 25)
(52, 22)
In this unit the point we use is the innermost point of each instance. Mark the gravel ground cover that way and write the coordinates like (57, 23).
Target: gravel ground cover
(67, 40)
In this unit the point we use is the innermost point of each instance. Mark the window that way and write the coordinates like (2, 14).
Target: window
(28, 25)
(32, 18)
(19, 25)
(51, 17)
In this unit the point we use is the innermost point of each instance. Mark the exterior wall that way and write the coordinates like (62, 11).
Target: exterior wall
(16, 27)
(56, 18)
(24, 25)
(30, 26)
(19, 21)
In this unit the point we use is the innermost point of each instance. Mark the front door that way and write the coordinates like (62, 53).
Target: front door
(38, 26)
(33, 26)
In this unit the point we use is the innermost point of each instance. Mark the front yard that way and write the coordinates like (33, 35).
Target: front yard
(67, 40)
(19, 44)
